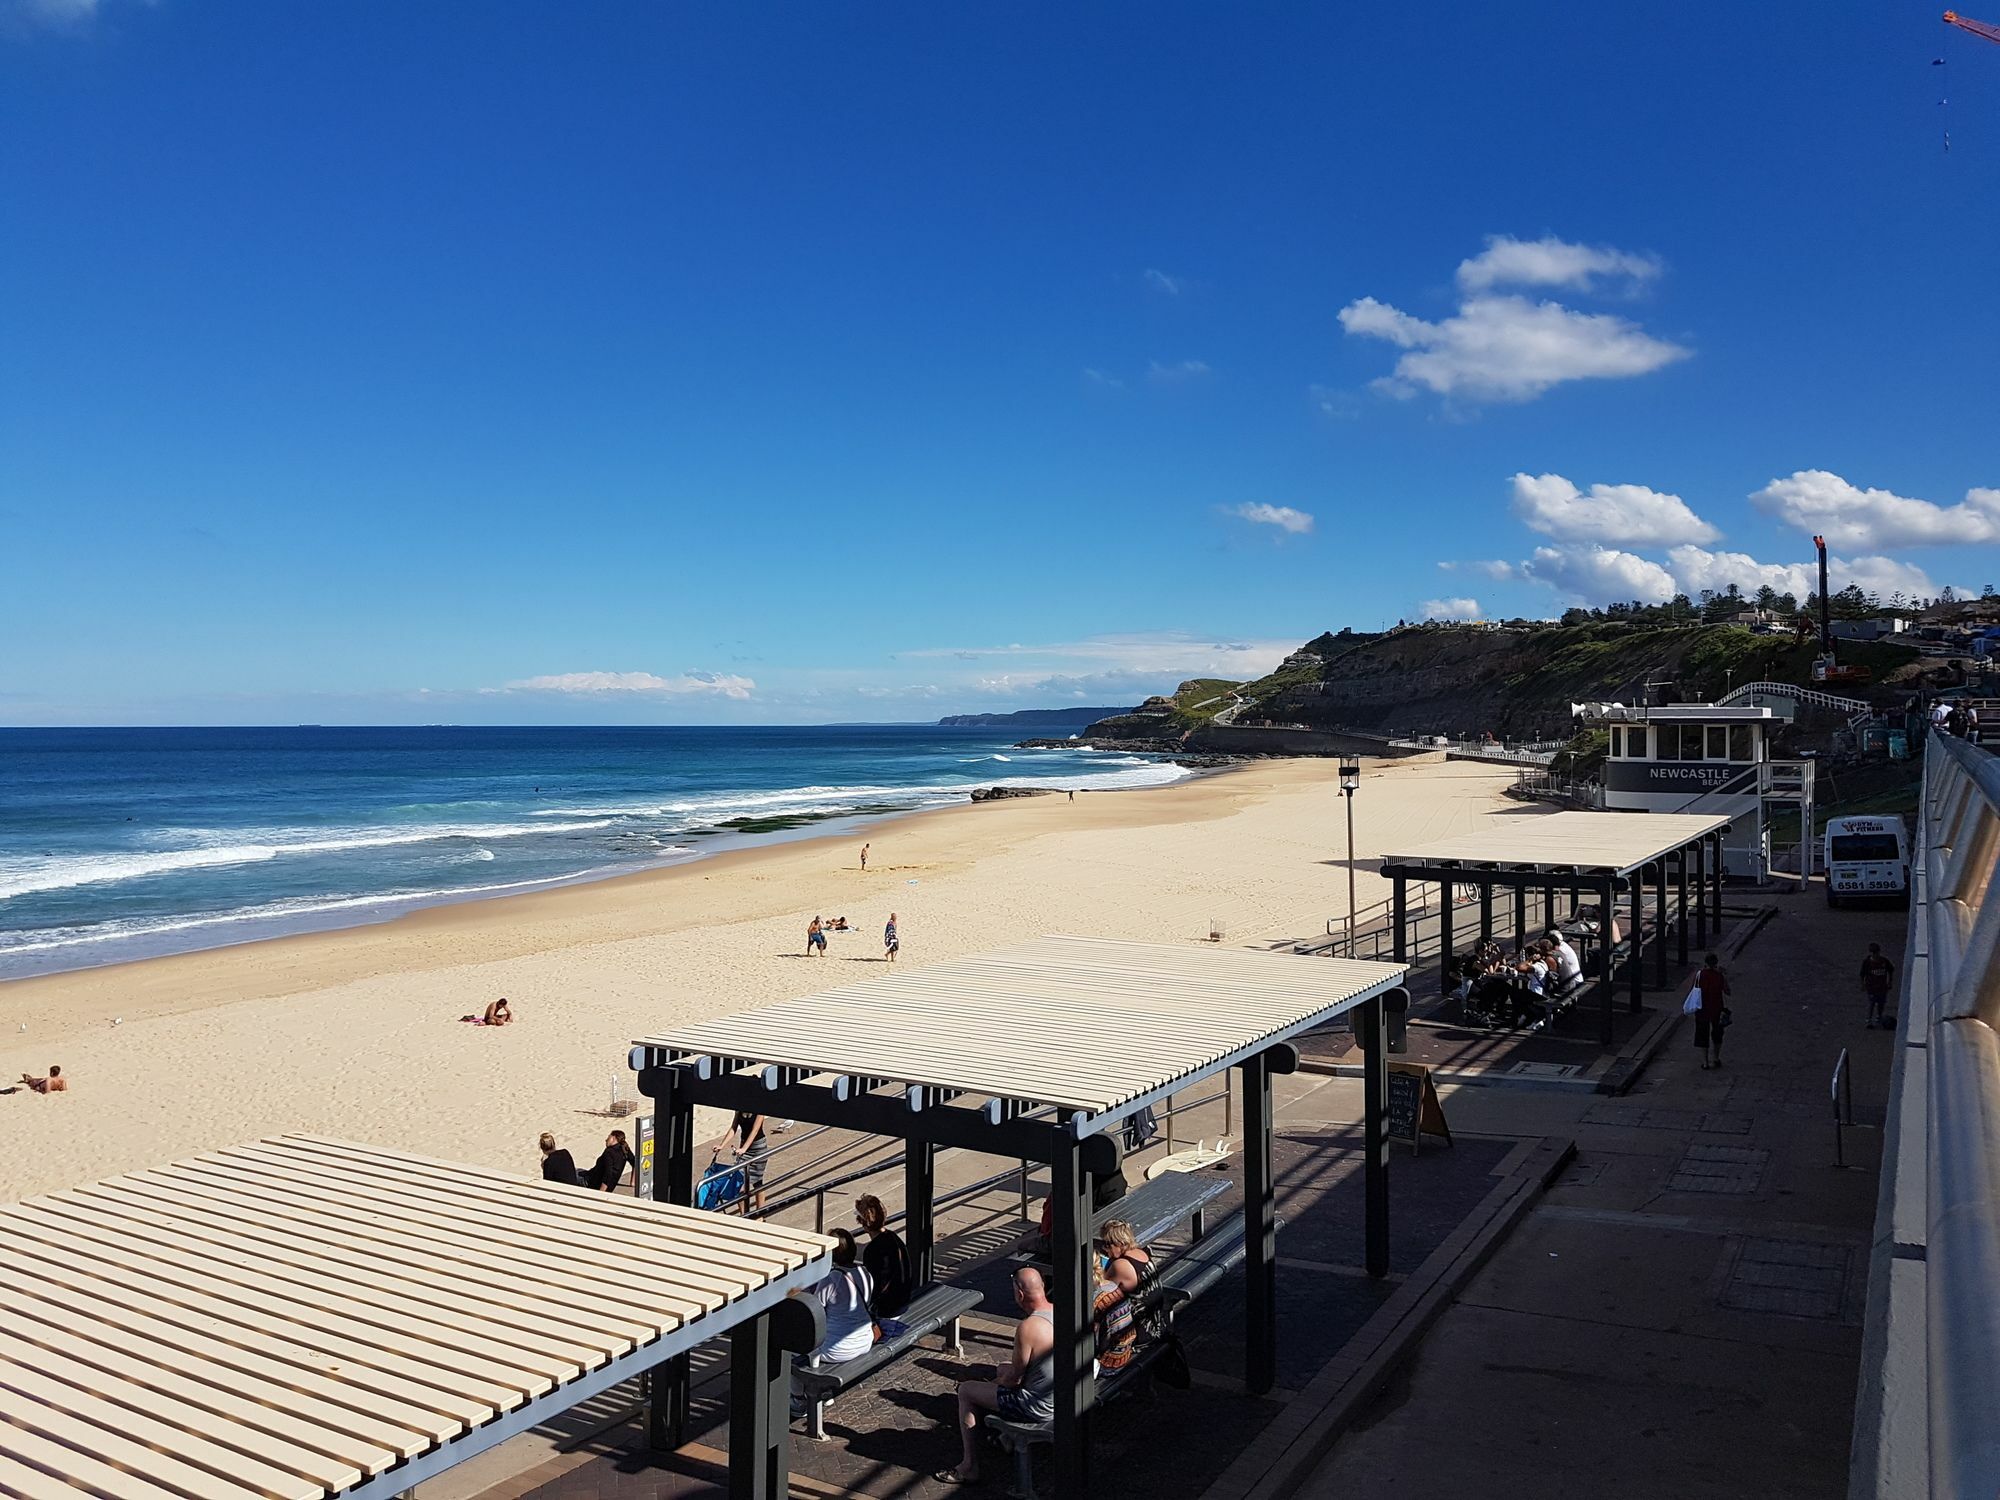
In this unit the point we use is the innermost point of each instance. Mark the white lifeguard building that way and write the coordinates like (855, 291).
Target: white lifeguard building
(1703, 758)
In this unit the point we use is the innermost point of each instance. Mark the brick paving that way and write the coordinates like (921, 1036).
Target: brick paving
(887, 1435)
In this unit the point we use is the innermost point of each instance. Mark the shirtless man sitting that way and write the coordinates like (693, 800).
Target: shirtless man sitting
(55, 1083)
(1023, 1389)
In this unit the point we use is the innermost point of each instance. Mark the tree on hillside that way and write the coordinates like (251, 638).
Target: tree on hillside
(1767, 597)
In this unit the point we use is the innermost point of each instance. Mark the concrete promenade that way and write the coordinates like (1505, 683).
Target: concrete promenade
(1679, 1315)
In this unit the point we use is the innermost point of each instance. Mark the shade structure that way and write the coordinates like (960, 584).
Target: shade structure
(1089, 1026)
(1036, 1052)
(1617, 843)
(302, 1317)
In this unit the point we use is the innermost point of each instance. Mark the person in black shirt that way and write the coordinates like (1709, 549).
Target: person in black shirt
(611, 1164)
(557, 1164)
(884, 1257)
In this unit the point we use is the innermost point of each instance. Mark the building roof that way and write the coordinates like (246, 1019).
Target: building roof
(1605, 841)
(298, 1317)
(1085, 1024)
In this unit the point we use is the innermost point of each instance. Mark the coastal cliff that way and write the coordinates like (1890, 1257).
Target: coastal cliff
(1516, 681)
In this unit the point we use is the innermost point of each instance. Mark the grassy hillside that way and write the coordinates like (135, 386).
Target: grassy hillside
(1520, 680)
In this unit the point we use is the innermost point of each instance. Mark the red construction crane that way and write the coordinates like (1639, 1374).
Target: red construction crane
(1977, 28)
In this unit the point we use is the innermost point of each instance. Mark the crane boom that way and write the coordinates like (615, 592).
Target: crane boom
(1977, 28)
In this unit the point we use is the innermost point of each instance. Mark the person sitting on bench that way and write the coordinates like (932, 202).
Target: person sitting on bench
(1569, 968)
(850, 1329)
(1024, 1388)
(1126, 1271)
(885, 1257)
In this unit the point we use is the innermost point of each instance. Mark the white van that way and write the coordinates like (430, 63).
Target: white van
(1866, 857)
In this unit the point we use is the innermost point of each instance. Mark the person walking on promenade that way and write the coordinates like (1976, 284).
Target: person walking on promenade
(1877, 974)
(890, 941)
(1713, 1017)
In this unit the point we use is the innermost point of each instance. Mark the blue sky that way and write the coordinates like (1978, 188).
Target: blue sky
(622, 363)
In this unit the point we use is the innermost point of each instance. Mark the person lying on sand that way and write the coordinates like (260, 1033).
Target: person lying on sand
(497, 1014)
(55, 1083)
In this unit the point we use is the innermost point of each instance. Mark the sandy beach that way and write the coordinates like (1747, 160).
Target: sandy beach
(356, 1033)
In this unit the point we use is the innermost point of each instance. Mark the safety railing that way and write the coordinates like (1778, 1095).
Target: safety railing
(1928, 1408)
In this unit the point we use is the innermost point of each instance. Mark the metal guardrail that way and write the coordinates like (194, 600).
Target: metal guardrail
(1928, 1407)
(1959, 847)
(1855, 709)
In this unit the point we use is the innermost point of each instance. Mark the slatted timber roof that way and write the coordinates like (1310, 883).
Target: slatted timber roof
(1085, 1024)
(1614, 841)
(288, 1319)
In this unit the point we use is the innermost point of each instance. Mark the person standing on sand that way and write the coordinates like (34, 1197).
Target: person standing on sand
(1713, 1017)
(864, 856)
(815, 939)
(890, 941)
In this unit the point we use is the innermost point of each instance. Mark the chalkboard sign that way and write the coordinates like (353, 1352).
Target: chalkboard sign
(1406, 1103)
(1414, 1108)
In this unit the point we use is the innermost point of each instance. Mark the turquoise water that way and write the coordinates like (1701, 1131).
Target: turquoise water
(123, 843)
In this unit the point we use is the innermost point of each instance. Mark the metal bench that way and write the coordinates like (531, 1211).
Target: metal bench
(936, 1307)
(1183, 1279)
(1154, 1207)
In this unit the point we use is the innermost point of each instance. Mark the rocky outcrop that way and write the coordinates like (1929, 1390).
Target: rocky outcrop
(1002, 793)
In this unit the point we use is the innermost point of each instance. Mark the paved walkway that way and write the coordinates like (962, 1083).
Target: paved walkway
(1679, 1315)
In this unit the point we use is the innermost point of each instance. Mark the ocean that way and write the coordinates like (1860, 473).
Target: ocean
(126, 843)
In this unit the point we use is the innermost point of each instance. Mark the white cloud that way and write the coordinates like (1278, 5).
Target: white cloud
(1629, 514)
(592, 683)
(1696, 569)
(1283, 517)
(1847, 516)
(1599, 575)
(1174, 373)
(1160, 281)
(59, 12)
(1457, 608)
(1549, 261)
(1505, 348)
(1100, 377)
(1491, 567)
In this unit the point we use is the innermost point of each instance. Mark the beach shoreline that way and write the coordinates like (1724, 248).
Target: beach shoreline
(313, 956)
(355, 1032)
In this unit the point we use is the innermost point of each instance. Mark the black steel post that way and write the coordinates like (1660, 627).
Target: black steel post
(1444, 941)
(1375, 1136)
(1681, 907)
(1399, 918)
(1520, 917)
(1071, 1293)
(1607, 963)
(1715, 888)
(1485, 911)
(919, 1191)
(1660, 921)
(1637, 962)
(670, 1382)
(1701, 893)
(1260, 1232)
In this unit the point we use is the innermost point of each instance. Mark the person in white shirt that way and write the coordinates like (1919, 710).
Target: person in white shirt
(1569, 968)
(850, 1327)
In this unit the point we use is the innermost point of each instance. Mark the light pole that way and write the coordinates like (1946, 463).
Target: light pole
(1350, 782)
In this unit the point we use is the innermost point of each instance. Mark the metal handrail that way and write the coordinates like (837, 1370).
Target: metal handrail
(1959, 917)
